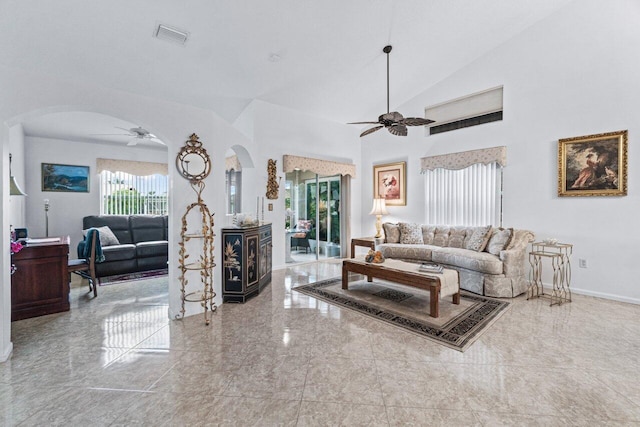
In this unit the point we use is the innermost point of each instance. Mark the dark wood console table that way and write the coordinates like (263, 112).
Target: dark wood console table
(40, 284)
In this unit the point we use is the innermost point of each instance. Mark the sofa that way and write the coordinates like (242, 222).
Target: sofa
(130, 243)
(490, 261)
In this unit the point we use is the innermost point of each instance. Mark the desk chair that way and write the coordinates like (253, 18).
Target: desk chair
(86, 268)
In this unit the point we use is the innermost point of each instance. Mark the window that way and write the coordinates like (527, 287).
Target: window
(233, 186)
(464, 188)
(123, 193)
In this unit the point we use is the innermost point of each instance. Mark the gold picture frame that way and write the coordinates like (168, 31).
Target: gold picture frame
(390, 183)
(593, 165)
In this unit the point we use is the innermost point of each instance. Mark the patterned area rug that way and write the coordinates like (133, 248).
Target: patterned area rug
(129, 277)
(457, 327)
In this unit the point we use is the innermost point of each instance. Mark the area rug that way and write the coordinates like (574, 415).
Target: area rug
(129, 277)
(457, 327)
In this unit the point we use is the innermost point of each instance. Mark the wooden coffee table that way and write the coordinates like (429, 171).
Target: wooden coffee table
(400, 272)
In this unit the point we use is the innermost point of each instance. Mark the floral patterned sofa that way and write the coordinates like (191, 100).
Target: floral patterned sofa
(490, 261)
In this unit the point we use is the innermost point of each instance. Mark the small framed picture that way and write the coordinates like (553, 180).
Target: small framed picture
(68, 178)
(593, 165)
(390, 183)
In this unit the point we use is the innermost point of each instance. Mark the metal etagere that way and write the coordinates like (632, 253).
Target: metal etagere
(559, 255)
(204, 263)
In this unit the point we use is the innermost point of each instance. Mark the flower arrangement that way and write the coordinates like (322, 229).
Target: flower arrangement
(15, 248)
(375, 257)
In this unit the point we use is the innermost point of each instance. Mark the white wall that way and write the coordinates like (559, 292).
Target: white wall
(17, 212)
(279, 131)
(67, 209)
(573, 74)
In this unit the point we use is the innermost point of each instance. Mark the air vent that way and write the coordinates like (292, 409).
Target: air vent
(471, 110)
(173, 35)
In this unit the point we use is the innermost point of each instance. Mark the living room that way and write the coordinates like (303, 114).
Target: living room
(571, 73)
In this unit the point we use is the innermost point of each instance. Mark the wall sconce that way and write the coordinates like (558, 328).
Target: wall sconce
(272, 184)
(14, 188)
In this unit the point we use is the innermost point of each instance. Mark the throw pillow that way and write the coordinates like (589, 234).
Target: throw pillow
(107, 238)
(456, 237)
(428, 234)
(441, 237)
(499, 240)
(479, 239)
(410, 233)
(391, 232)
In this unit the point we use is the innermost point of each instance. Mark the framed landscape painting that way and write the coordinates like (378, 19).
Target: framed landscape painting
(593, 165)
(390, 183)
(69, 178)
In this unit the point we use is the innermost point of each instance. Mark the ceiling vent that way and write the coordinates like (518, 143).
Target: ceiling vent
(173, 35)
(470, 110)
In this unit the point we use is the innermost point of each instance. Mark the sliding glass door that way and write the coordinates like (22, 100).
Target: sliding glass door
(313, 216)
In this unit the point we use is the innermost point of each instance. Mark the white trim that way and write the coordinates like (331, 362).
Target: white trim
(595, 294)
(7, 353)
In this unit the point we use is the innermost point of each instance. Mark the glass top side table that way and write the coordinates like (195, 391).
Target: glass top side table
(559, 254)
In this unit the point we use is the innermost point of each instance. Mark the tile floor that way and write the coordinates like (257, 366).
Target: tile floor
(284, 358)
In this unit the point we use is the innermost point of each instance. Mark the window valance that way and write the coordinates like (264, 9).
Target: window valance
(131, 167)
(321, 167)
(456, 161)
(232, 162)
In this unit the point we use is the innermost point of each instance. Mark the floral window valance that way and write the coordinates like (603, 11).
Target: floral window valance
(456, 161)
(131, 167)
(318, 166)
(232, 162)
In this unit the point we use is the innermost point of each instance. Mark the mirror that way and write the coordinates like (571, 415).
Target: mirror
(192, 161)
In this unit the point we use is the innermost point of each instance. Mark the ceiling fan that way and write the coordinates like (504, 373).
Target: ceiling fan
(395, 122)
(138, 133)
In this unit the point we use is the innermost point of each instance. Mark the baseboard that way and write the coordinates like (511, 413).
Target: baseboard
(7, 354)
(603, 295)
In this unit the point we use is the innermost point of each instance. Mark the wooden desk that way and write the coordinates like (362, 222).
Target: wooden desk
(367, 242)
(40, 284)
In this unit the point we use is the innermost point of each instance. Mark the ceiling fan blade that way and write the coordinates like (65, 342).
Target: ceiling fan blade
(398, 130)
(363, 123)
(128, 130)
(371, 130)
(133, 142)
(416, 121)
(110, 134)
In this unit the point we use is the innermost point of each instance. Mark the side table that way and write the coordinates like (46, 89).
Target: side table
(367, 242)
(559, 254)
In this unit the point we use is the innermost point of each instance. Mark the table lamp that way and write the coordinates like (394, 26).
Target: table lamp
(379, 209)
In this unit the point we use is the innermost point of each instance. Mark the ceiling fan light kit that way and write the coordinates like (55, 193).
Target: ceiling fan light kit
(394, 122)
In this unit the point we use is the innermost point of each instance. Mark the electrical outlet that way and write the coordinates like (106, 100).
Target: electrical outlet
(582, 263)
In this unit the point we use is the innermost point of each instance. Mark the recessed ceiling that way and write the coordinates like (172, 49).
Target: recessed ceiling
(330, 63)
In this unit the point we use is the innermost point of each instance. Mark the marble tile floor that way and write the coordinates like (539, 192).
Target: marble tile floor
(284, 358)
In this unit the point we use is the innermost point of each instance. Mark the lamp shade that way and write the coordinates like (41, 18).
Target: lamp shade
(14, 188)
(379, 207)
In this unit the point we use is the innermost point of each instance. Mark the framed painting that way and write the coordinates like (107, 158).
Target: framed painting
(69, 178)
(593, 165)
(390, 183)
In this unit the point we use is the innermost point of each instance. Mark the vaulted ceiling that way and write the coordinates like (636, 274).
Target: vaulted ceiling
(323, 58)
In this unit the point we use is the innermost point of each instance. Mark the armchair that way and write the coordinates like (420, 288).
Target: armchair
(300, 239)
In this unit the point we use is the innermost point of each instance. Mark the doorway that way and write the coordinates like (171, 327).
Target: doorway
(314, 218)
